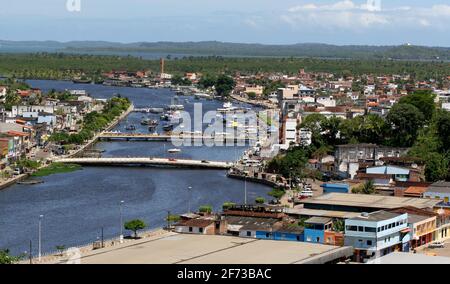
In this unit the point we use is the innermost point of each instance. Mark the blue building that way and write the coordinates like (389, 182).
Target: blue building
(289, 233)
(315, 228)
(377, 234)
(335, 188)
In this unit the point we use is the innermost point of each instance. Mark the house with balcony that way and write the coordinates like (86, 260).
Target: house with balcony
(422, 224)
(376, 234)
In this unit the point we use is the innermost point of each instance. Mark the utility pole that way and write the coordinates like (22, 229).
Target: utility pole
(168, 220)
(189, 200)
(40, 237)
(121, 221)
(245, 189)
(31, 252)
(103, 239)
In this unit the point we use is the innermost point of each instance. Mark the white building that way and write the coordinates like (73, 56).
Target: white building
(20, 110)
(326, 101)
(305, 137)
(290, 135)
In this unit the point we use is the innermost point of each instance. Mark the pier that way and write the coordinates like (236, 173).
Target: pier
(148, 161)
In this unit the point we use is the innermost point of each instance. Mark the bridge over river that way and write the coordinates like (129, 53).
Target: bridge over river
(109, 136)
(147, 161)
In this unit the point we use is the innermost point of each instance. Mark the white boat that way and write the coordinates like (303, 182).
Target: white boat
(174, 151)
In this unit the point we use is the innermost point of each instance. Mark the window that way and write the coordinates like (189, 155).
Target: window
(379, 229)
(190, 229)
(352, 228)
(360, 229)
(249, 234)
(369, 230)
(200, 230)
(369, 243)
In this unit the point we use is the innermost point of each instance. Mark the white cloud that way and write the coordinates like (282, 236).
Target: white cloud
(349, 15)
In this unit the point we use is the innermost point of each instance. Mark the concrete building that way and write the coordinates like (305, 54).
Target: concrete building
(438, 190)
(202, 225)
(365, 203)
(290, 133)
(349, 157)
(327, 101)
(20, 110)
(315, 228)
(376, 234)
(173, 248)
(257, 90)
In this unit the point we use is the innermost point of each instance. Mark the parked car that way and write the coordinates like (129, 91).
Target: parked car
(17, 172)
(437, 244)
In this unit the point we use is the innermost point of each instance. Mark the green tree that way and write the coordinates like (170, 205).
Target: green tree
(224, 85)
(12, 99)
(437, 167)
(260, 200)
(7, 258)
(277, 193)
(339, 225)
(172, 219)
(205, 209)
(367, 188)
(422, 100)
(443, 129)
(135, 226)
(207, 81)
(228, 205)
(405, 121)
(314, 123)
(369, 128)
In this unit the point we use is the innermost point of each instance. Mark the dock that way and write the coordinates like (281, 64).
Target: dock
(148, 161)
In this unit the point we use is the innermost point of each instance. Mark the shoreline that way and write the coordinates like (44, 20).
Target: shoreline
(10, 182)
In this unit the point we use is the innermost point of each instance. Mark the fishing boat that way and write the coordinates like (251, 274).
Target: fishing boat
(174, 151)
(174, 107)
(145, 121)
(130, 127)
(156, 110)
(168, 127)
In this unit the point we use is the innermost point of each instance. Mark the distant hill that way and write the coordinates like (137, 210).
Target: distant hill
(215, 48)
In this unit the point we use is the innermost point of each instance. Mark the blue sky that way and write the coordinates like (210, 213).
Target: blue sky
(260, 21)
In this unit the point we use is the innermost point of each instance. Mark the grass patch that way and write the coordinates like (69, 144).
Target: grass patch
(56, 168)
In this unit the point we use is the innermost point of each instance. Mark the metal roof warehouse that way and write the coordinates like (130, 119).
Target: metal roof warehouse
(365, 203)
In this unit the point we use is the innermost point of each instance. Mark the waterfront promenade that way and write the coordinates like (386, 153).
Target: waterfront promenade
(96, 137)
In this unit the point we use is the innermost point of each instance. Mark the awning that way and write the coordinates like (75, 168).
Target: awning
(405, 231)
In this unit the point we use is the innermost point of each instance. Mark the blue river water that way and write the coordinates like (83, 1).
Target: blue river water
(77, 205)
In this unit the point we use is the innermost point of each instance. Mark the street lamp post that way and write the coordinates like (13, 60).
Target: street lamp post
(245, 189)
(121, 221)
(40, 237)
(189, 198)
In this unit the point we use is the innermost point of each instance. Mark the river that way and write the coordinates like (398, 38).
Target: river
(77, 205)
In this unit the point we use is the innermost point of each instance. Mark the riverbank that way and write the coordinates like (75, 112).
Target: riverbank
(264, 104)
(50, 169)
(56, 168)
(92, 141)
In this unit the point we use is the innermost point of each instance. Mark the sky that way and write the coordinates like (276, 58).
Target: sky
(342, 22)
